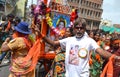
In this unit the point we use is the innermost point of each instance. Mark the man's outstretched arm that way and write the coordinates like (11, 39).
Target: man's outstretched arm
(51, 42)
(106, 54)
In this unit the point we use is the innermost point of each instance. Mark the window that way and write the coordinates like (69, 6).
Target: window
(77, 1)
(91, 13)
(90, 4)
(81, 11)
(95, 5)
(96, 14)
(88, 12)
(86, 3)
(99, 14)
(2, 7)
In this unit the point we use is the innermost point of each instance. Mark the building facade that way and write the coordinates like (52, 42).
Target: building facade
(21, 8)
(2, 7)
(91, 10)
(16, 7)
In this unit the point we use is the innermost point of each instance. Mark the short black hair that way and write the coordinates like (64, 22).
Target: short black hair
(17, 19)
(10, 15)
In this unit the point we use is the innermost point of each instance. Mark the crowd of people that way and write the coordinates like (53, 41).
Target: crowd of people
(78, 48)
(6, 30)
(74, 49)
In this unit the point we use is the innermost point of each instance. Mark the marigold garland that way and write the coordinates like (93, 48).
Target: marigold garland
(58, 69)
(97, 56)
(95, 65)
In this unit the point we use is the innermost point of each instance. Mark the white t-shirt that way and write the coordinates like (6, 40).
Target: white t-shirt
(77, 66)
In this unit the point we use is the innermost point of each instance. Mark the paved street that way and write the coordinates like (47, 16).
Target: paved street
(4, 71)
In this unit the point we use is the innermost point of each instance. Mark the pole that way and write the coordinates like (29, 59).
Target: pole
(5, 8)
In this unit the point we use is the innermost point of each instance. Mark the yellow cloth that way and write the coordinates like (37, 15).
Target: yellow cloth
(20, 50)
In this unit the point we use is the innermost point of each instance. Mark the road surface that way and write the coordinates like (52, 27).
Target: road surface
(4, 71)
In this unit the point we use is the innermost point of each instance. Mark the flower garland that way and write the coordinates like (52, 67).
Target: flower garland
(42, 8)
(95, 65)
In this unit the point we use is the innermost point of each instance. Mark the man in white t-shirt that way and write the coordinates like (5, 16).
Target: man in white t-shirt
(78, 50)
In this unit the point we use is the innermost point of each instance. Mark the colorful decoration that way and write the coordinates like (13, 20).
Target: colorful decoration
(73, 15)
(82, 53)
(61, 6)
(50, 23)
(42, 8)
(47, 2)
(95, 65)
(59, 1)
(33, 6)
(49, 20)
(57, 17)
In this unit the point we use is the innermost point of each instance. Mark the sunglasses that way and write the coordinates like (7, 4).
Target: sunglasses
(79, 27)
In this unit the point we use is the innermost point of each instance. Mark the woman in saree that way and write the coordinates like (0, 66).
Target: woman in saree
(19, 47)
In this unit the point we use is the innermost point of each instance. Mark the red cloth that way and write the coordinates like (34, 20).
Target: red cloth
(8, 26)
